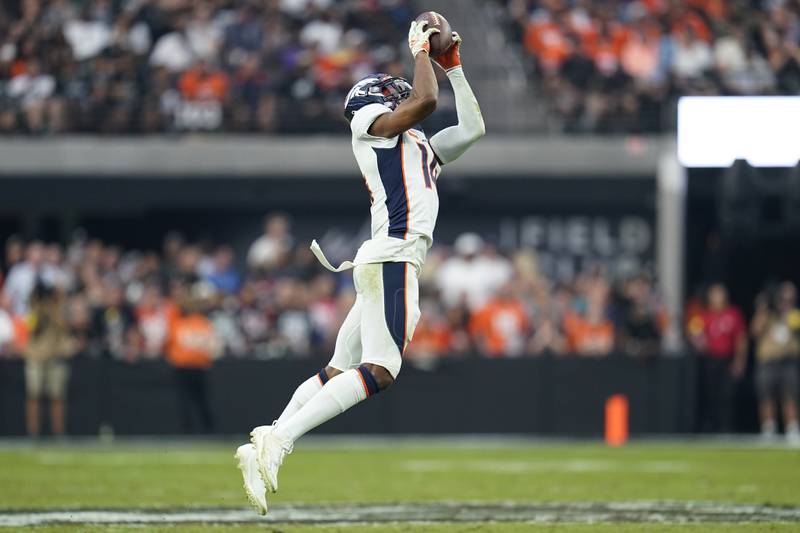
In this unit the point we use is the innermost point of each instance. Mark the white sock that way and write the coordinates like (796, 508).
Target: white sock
(337, 396)
(302, 394)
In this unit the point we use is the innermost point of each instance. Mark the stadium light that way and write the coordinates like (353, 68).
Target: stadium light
(716, 131)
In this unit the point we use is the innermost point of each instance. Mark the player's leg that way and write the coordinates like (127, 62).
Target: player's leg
(385, 329)
(387, 315)
(346, 355)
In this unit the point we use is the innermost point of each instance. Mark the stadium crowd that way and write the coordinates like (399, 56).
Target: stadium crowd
(619, 66)
(123, 304)
(192, 303)
(145, 66)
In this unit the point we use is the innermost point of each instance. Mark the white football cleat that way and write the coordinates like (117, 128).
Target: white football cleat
(270, 451)
(253, 484)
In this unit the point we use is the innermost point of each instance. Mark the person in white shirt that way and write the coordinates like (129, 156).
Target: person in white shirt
(22, 278)
(693, 56)
(473, 274)
(271, 248)
(400, 167)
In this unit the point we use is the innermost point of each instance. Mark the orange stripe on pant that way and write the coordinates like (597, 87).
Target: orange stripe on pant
(364, 383)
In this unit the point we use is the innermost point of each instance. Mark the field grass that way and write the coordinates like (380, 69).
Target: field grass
(435, 528)
(170, 475)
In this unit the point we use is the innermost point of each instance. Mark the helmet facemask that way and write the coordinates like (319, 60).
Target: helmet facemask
(394, 90)
(382, 89)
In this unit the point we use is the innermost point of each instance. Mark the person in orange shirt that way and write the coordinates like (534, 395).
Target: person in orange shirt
(203, 83)
(547, 40)
(593, 333)
(191, 349)
(500, 328)
(154, 314)
(433, 336)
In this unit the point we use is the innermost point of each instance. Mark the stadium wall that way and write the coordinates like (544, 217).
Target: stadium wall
(550, 397)
(320, 156)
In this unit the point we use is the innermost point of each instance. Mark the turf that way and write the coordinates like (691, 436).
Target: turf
(435, 528)
(172, 475)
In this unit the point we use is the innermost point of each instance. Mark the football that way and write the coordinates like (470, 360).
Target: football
(442, 41)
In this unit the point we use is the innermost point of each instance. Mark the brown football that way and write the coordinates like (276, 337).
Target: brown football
(442, 41)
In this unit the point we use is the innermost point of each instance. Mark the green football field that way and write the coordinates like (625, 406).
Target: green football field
(387, 486)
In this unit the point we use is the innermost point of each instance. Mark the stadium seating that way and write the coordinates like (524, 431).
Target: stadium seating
(618, 67)
(147, 67)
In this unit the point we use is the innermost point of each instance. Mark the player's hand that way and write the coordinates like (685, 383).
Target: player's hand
(452, 58)
(419, 37)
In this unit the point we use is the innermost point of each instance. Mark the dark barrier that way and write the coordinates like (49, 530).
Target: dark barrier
(542, 396)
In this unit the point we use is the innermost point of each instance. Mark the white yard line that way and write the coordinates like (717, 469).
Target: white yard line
(526, 466)
(455, 512)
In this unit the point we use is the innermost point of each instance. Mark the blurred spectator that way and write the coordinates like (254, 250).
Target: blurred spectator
(775, 327)
(501, 326)
(203, 33)
(591, 333)
(293, 325)
(6, 332)
(641, 321)
(87, 33)
(473, 274)
(14, 332)
(172, 50)
(191, 349)
(271, 249)
(224, 276)
(53, 272)
(641, 55)
(719, 335)
(204, 90)
(112, 322)
(692, 56)
(79, 320)
(46, 369)
(23, 276)
(221, 310)
(14, 252)
(323, 312)
(154, 316)
(253, 321)
(433, 336)
(32, 90)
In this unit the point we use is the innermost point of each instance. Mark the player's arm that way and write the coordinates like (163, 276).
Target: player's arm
(422, 100)
(451, 143)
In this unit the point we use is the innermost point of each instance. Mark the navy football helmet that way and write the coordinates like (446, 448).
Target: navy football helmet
(376, 89)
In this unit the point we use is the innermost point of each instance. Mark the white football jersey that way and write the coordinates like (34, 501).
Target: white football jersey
(400, 174)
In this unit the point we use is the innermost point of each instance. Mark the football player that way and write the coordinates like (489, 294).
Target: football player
(400, 166)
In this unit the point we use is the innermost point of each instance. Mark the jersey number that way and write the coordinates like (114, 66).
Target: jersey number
(428, 170)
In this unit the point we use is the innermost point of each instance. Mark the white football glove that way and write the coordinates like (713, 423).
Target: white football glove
(419, 37)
